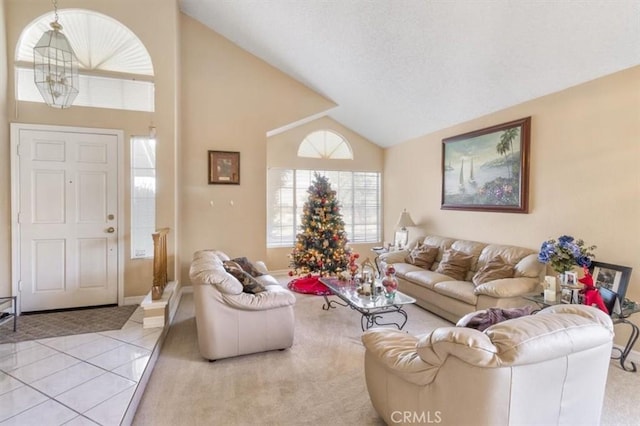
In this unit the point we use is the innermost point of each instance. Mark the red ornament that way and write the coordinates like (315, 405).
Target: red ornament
(290, 273)
(390, 284)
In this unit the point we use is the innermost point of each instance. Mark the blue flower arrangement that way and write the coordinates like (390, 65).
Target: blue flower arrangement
(565, 253)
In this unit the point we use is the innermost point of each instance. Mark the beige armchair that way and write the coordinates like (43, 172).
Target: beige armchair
(230, 322)
(544, 369)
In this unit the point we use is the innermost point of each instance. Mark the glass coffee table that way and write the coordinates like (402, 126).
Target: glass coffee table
(372, 308)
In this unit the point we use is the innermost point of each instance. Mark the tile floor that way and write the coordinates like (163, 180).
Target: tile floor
(84, 379)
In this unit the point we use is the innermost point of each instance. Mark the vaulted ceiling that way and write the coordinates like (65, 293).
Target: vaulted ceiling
(402, 69)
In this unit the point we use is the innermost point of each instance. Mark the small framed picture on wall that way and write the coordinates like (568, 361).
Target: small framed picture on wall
(224, 167)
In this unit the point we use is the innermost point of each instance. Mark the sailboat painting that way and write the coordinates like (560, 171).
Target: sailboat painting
(487, 169)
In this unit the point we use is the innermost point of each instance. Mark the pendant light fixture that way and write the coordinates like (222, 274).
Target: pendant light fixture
(55, 66)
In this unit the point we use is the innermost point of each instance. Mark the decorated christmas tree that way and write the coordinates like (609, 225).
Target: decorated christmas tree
(321, 244)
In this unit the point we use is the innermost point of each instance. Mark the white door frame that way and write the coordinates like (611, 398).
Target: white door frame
(15, 198)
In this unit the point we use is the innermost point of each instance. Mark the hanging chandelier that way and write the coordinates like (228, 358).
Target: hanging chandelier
(55, 66)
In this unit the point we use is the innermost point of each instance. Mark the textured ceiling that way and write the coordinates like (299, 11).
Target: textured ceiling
(402, 69)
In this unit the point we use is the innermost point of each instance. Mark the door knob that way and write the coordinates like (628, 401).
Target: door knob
(111, 229)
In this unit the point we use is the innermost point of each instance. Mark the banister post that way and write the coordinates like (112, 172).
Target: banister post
(160, 274)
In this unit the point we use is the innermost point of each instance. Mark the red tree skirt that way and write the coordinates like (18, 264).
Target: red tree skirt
(311, 285)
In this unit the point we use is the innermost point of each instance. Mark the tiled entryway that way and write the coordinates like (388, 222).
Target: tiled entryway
(84, 379)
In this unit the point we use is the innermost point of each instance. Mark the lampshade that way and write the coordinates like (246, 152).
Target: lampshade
(404, 220)
(55, 67)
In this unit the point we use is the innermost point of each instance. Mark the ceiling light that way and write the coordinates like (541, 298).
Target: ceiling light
(55, 66)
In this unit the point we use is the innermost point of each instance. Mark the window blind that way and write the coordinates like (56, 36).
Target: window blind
(359, 194)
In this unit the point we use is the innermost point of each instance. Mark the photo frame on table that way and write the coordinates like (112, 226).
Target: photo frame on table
(401, 239)
(613, 277)
(570, 295)
(488, 169)
(570, 278)
(566, 295)
(224, 167)
(610, 300)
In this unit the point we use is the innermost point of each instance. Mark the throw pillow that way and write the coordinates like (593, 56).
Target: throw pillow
(454, 264)
(249, 283)
(494, 269)
(422, 255)
(247, 266)
(484, 319)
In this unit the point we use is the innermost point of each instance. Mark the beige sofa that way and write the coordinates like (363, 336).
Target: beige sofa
(452, 299)
(231, 322)
(549, 368)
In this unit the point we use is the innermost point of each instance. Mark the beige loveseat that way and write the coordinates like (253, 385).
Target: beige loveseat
(451, 298)
(231, 322)
(549, 368)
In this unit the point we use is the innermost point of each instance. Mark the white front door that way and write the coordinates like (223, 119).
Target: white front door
(67, 218)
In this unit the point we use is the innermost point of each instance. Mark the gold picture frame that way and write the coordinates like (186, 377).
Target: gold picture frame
(224, 167)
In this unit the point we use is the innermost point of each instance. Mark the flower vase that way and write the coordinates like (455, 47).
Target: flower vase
(390, 284)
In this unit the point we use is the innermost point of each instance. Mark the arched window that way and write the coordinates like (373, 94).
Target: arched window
(115, 68)
(325, 144)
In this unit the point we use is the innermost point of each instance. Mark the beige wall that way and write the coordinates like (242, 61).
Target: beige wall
(584, 177)
(5, 171)
(230, 100)
(162, 46)
(282, 152)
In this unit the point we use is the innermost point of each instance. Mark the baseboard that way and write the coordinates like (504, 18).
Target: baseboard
(173, 308)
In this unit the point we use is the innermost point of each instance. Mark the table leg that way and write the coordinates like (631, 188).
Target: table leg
(13, 300)
(624, 353)
(369, 319)
(330, 304)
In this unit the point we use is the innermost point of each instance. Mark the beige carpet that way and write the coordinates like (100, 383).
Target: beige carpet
(319, 381)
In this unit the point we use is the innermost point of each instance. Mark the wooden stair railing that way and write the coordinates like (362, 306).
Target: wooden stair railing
(159, 263)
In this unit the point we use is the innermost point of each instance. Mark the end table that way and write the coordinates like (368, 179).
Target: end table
(628, 308)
